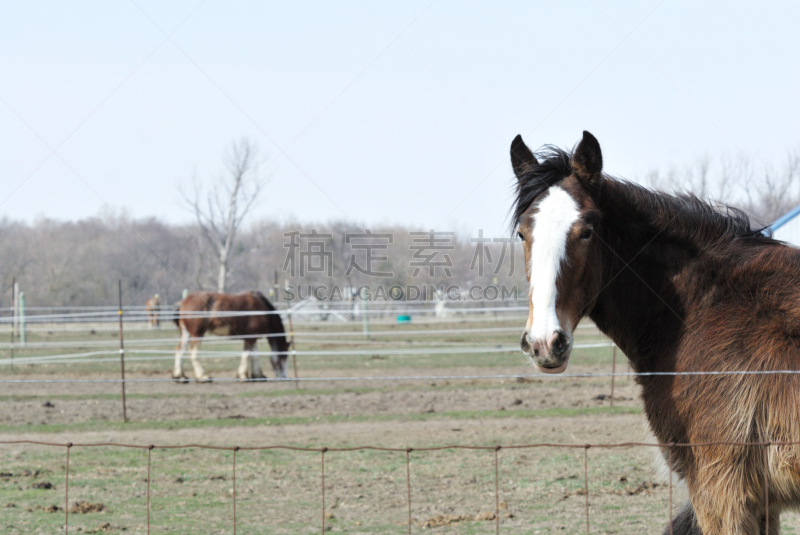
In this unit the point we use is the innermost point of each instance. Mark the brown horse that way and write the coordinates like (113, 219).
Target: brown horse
(208, 312)
(151, 308)
(679, 286)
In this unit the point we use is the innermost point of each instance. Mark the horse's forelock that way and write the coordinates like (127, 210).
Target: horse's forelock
(554, 165)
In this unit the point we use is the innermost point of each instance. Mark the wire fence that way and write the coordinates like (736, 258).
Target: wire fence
(407, 452)
(155, 354)
(143, 350)
(366, 343)
(140, 314)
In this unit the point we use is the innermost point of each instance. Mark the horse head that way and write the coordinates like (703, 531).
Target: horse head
(557, 219)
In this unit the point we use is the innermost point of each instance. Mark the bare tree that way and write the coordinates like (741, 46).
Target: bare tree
(776, 191)
(221, 210)
(696, 178)
(763, 190)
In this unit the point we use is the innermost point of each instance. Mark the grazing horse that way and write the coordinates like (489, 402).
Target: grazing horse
(216, 313)
(152, 311)
(679, 286)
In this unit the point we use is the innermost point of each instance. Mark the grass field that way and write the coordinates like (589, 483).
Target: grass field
(279, 491)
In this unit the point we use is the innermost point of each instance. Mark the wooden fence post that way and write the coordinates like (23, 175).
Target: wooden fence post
(291, 347)
(364, 312)
(122, 353)
(23, 338)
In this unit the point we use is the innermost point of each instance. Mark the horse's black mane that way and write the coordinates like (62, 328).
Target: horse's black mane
(264, 300)
(690, 217)
(684, 213)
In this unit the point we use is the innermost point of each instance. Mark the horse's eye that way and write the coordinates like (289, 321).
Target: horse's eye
(521, 236)
(586, 233)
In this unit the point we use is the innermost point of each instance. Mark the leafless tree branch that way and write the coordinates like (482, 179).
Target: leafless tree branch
(221, 212)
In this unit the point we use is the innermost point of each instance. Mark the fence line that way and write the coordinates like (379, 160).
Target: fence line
(554, 377)
(342, 305)
(65, 358)
(408, 450)
(141, 325)
(235, 338)
(135, 315)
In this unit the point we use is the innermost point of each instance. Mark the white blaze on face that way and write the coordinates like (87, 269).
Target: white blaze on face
(558, 211)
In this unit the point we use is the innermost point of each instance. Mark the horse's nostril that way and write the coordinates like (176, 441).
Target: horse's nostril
(535, 352)
(560, 344)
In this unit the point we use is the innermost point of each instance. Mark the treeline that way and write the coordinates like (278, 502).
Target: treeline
(765, 190)
(79, 263)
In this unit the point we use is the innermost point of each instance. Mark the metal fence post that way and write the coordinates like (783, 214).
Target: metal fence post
(16, 307)
(13, 313)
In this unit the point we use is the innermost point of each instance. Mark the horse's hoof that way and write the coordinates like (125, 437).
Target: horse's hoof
(180, 379)
(203, 379)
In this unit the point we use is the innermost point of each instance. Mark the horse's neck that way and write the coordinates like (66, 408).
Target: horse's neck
(641, 307)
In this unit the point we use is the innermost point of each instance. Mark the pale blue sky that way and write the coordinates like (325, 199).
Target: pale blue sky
(378, 112)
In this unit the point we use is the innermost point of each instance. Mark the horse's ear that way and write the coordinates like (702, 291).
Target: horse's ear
(587, 160)
(522, 159)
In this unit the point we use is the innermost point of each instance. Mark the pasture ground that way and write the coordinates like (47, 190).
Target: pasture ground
(278, 491)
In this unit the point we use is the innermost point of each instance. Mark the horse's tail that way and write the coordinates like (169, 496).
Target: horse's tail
(685, 523)
(176, 314)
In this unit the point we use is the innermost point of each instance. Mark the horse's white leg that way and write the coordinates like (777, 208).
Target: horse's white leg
(177, 372)
(199, 374)
(244, 369)
(256, 366)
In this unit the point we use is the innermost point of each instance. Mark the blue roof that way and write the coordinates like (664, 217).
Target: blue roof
(785, 218)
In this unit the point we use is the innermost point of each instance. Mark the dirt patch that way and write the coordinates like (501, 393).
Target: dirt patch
(104, 528)
(647, 487)
(446, 520)
(83, 507)
(46, 509)
(244, 401)
(398, 433)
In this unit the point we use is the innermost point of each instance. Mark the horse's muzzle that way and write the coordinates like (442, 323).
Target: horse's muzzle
(549, 355)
